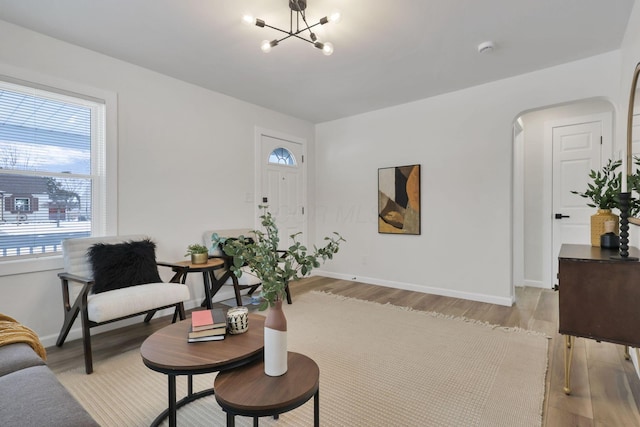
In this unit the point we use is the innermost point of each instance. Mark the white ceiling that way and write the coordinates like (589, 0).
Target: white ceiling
(386, 52)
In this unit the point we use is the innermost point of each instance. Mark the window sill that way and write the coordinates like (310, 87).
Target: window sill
(30, 265)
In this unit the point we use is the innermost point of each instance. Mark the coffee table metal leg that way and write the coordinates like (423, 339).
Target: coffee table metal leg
(172, 401)
(231, 420)
(316, 409)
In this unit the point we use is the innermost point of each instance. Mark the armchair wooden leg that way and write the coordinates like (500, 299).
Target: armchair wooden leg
(149, 316)
(179, 312)
(288, 292)
(238, 296)
(69, 317)
(86, 342)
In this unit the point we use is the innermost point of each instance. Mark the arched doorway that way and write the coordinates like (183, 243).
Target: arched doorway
(534, 260)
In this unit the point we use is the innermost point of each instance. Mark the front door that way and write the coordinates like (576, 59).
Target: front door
(282, 185)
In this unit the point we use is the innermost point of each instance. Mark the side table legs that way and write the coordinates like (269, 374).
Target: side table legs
(316, 409)
(569, 342)
(231, 418)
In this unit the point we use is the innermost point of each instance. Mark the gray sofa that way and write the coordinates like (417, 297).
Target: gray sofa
(30, 394)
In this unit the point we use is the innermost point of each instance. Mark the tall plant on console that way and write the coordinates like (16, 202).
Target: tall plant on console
(276, 269)
(603, 192)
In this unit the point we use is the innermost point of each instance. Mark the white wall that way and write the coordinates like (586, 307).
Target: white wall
(463, 140)
(185, 160)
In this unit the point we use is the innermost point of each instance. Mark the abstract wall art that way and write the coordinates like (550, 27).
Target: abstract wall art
(399, 200)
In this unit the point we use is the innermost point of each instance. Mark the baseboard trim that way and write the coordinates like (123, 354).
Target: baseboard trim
(536, 284)
(491, 299)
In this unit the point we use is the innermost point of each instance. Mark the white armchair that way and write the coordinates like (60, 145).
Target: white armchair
(144, 293)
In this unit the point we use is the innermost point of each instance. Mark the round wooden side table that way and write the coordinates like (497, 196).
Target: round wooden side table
(211, 285)
(248, 391)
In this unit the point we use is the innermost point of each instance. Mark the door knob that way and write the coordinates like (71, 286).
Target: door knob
(560, 216)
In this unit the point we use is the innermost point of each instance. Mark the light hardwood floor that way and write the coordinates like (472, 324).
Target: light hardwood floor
(605, 387)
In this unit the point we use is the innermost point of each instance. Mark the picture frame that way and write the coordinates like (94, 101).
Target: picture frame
(399, 200)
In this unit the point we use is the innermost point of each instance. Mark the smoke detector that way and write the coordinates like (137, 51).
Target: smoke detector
(486, 47)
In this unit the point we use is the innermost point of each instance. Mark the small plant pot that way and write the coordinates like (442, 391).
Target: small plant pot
(199, 258)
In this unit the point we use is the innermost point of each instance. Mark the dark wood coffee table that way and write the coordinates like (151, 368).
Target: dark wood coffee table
(248, 391)
(167, 351)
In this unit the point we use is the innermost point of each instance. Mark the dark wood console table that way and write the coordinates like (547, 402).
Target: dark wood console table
(599, 298)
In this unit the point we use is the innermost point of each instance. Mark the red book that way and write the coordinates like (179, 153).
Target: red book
(208, 319)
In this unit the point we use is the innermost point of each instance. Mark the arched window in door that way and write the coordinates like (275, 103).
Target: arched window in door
(282, 156)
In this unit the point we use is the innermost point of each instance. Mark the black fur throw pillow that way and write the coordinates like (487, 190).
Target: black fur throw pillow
(121, 265)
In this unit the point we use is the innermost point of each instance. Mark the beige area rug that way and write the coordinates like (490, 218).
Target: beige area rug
(380, 365)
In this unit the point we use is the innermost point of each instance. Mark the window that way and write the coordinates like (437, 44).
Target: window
(52, 169)
(21, 204)
(282, 156)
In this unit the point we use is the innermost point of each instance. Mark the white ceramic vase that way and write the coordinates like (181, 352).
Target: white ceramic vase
(275, 341)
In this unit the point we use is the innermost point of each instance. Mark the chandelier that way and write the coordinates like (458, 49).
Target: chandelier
(297, 14)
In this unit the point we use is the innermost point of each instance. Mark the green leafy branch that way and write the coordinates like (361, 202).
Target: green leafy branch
(274, 267)
(606, 186)
(603, 191)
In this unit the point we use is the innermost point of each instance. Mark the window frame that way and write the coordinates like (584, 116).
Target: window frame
(290, 155)
(105, 198)
(18, 207)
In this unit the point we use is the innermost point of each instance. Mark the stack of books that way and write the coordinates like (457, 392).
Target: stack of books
(208, 325)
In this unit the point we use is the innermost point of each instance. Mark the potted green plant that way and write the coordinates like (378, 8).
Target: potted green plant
(199, 253)
(603, 192)
(276, 269)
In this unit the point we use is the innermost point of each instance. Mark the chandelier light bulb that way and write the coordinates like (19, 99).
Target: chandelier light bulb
(248, 19)
(265, 46)
(327, 49)
(335, 17)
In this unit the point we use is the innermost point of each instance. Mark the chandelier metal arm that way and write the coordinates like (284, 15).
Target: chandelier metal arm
(278, 29)
(296, 36)
(291, 33)
(304, 19)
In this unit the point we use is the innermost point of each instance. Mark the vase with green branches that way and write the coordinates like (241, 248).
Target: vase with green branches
(276, 269)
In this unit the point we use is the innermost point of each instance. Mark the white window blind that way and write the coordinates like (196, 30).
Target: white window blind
(52, 169)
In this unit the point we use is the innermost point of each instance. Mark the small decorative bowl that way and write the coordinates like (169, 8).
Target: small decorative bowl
(237, 320)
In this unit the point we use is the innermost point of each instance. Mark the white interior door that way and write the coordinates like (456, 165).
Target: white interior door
(282, 185)
(577, 149)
